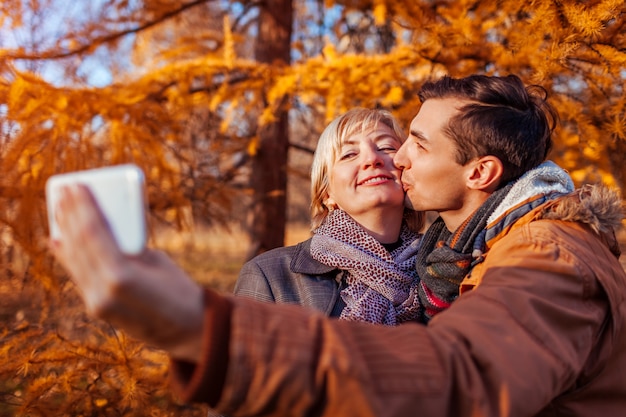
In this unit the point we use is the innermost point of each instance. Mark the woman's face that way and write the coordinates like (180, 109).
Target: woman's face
(363, 176)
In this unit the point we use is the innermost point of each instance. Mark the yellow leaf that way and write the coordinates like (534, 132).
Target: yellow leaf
(101, 402)
(61, 102)
(329, 52)
(394, 96)
(253, 146)
(380, 12)
(229, 44)
(16, 92)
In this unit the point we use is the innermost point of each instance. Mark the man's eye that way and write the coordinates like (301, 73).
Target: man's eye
(347, 155)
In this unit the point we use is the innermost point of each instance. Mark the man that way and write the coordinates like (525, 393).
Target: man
(538, 329)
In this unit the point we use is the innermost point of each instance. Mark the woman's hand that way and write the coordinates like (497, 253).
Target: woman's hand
(146, 295)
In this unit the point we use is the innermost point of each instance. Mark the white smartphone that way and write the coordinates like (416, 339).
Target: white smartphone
(120, 193)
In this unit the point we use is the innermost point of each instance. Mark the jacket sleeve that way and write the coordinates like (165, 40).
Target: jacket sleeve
(506, 348)
(203, 381)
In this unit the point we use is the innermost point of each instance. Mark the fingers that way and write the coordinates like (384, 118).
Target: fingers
(82, 223)
(86, 247)
(146, 294)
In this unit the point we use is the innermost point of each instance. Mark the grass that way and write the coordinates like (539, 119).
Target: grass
(214, 257)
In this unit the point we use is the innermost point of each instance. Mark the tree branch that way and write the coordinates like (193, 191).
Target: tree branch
(105, 39)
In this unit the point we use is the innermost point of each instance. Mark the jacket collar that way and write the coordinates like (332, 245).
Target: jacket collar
(303, 263)
(595, 206)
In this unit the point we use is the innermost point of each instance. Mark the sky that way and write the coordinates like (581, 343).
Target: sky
(44, 30)
(53, 23)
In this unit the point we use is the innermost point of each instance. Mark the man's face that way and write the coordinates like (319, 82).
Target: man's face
(431, 177)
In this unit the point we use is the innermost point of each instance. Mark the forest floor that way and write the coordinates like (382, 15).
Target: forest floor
(213, 258)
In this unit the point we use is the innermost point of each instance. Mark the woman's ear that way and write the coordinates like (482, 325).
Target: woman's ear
(485, 173)
(330, 203)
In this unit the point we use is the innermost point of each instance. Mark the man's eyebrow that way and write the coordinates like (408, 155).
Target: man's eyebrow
(418, 135)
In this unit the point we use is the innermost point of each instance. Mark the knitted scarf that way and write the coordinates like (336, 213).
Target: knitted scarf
(445, 258)
(381, 286)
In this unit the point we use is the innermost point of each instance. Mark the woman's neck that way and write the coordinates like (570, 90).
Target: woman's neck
(383, 225)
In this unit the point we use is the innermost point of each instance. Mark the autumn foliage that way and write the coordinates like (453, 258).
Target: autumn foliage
(191, 99)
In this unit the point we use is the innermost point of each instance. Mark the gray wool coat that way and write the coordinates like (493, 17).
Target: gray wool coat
(289, 275)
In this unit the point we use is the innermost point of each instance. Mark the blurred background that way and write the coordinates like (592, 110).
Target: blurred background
(221, 104)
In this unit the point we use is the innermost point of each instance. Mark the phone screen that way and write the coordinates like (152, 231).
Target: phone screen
(119, 192)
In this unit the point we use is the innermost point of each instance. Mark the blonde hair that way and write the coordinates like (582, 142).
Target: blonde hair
(358, 120)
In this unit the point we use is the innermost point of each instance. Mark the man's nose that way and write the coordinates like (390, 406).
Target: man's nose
(399, 159)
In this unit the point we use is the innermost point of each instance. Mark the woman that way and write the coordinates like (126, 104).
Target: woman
(360, 262)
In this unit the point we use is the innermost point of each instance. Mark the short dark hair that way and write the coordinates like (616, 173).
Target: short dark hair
(502, 118)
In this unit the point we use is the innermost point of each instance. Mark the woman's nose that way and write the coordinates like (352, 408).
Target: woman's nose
(371, 157)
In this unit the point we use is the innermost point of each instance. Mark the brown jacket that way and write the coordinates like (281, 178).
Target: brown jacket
(542, 334)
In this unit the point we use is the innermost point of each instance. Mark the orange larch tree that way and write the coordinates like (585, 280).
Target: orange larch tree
(183, 90)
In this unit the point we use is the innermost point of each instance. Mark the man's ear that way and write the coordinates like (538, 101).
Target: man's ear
(485, 173)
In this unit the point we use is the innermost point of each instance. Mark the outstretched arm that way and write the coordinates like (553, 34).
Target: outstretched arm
(509, 347)
(146, 295)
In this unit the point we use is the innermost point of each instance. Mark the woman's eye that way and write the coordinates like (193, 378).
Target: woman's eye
(347, 155)
(389, 149)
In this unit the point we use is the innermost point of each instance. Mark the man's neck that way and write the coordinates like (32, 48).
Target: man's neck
(455, 218)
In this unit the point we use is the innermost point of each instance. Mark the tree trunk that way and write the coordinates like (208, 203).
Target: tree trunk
(268, 213)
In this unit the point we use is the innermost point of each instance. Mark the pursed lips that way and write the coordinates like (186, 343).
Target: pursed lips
(404, 182)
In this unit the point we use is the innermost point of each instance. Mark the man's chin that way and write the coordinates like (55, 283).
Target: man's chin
(408, 203)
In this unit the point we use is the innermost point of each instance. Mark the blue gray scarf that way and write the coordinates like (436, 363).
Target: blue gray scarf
(445, 258)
